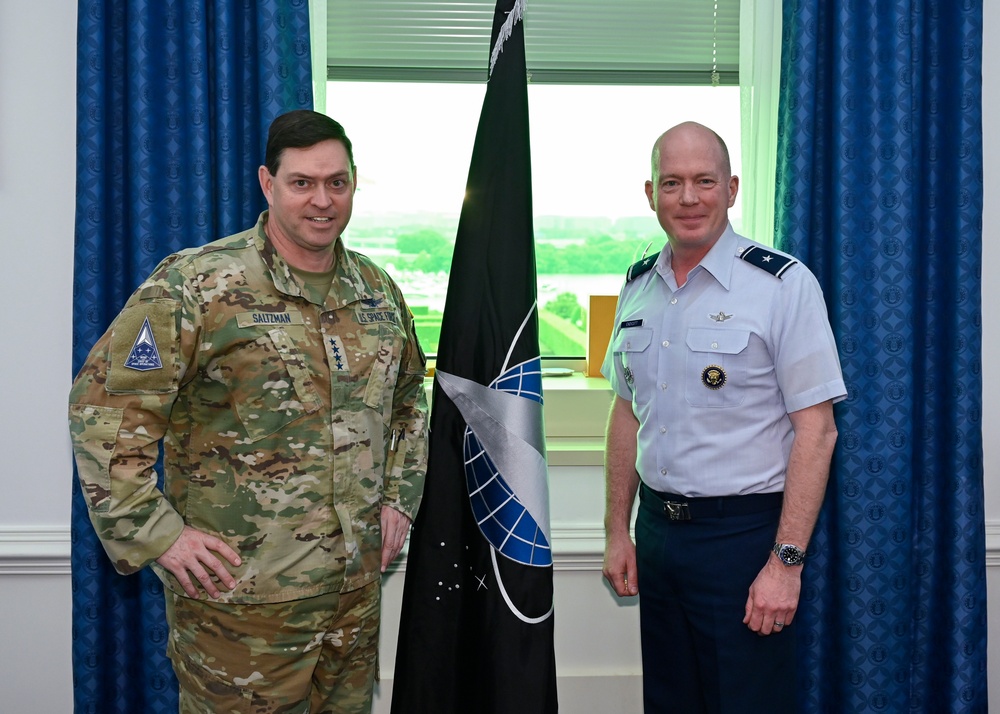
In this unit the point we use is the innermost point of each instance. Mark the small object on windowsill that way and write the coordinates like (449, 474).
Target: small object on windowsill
(556, 372)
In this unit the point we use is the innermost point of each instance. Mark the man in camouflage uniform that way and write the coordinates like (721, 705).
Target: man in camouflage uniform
(282, 374)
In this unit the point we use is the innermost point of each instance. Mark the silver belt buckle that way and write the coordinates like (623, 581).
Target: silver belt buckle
(677, 511)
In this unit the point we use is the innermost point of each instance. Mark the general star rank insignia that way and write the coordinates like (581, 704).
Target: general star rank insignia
(713, 377)
(774, 263)
(144, 356)
(336, 355)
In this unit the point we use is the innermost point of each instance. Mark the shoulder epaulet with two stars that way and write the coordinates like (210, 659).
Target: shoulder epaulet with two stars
(774, 263)
(641, 267)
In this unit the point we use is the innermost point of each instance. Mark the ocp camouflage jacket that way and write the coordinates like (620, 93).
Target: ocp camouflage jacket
(276, 411)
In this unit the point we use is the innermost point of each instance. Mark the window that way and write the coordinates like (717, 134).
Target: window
(407, 81)
(590, 157)
(661, 42)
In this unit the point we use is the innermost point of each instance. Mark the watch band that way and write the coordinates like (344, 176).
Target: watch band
(789, 554)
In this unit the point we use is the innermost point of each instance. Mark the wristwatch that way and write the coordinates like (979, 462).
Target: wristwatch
(789, 554)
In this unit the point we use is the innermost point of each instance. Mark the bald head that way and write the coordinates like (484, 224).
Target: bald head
(686, 133)
(692, 190)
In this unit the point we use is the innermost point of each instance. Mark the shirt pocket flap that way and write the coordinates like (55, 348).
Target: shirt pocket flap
(633, 339)
(729, 342)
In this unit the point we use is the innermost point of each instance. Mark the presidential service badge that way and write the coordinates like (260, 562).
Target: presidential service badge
(713, 376)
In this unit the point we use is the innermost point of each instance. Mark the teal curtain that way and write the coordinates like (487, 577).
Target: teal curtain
(173, 104)
(880, 192)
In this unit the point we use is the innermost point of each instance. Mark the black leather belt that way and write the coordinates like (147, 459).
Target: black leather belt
(684, 508)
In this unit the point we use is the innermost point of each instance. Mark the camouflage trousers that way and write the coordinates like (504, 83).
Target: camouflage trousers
(313, 656)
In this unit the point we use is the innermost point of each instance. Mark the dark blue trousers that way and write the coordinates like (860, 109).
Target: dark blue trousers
(697, 655)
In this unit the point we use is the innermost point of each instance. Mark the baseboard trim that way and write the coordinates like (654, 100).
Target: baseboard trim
(45, 550)
(992, 544)
(34, 550)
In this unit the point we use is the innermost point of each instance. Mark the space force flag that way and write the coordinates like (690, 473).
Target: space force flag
(476, 627)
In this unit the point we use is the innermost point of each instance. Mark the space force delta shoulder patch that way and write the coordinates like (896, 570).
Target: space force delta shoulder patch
(143, 348)
(144, 354)
(774, 263)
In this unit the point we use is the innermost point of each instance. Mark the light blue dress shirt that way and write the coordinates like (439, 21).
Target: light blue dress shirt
(713, 368)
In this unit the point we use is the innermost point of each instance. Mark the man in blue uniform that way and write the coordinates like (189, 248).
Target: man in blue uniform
(725, 372)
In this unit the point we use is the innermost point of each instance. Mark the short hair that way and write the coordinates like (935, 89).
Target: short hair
(655, 157)
(300, 129)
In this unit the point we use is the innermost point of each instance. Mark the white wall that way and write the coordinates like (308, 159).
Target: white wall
(37, 180)
(991, 330)
(991, 262)
(597, 642)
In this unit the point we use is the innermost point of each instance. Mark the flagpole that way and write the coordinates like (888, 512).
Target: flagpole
(477, 620)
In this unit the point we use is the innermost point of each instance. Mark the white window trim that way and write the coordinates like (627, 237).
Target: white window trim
(577, 406)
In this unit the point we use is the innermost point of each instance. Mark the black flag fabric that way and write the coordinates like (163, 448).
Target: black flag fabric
(476, 626)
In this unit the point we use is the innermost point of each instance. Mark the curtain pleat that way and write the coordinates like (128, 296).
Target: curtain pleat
(174, 101)
(880, 192)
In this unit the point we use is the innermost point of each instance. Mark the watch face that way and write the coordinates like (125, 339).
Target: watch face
(791, 555)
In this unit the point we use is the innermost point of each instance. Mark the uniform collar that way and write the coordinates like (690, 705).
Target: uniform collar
(718, 261)
(348, 285)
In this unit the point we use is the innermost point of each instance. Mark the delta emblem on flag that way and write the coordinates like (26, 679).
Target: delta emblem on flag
(477, 624)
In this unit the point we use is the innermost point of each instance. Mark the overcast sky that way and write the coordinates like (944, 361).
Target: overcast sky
(590, 145)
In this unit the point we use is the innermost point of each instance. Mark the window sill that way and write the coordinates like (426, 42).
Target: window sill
(576, 415)
(569, 451)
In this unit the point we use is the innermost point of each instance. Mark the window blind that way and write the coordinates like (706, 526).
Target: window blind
(578, 41)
